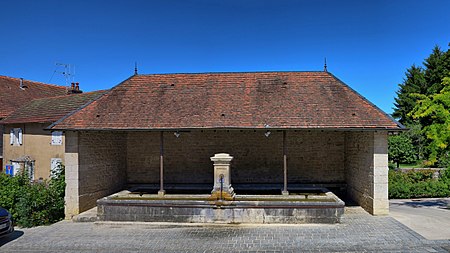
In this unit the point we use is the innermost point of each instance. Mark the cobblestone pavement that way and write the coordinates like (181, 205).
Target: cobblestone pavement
(358, 232)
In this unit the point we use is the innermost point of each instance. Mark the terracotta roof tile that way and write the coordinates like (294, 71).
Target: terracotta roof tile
(298, 100)
(51, 109)
(12, 96)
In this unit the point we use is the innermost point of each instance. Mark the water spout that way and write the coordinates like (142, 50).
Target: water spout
(221, 187)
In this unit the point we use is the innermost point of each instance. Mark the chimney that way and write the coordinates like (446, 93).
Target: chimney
(21, 83)
(74, 88)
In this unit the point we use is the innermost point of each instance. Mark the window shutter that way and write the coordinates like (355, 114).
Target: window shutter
(20, 136)
(11, 136)
(56, 138)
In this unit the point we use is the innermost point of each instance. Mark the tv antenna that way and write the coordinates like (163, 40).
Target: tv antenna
(67, 70)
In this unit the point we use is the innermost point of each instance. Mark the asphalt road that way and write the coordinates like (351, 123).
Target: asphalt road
(427, 217)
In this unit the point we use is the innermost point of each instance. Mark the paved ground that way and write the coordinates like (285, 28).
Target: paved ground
(359, 232)
(428, 217)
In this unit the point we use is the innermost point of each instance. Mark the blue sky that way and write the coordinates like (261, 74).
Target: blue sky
(368, 44)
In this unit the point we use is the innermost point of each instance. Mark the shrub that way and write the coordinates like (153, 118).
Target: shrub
(418, 184)
(11, 190)
(34, 204)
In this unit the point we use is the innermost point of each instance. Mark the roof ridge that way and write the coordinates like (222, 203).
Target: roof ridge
(232, 72)
(37, 82)
(69, 95)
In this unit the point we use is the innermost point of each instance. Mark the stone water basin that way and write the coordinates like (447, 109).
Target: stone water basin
(303, 206)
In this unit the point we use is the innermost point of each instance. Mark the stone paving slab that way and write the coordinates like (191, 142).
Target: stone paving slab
(358, 232)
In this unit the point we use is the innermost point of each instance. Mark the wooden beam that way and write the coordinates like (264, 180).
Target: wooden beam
(161, 164)
(285, 191)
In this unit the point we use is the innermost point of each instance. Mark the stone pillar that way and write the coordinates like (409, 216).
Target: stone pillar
(380, 174)
(72, 176)
(366, 170)
(222, 176)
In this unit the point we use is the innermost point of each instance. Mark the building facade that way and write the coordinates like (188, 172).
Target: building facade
(15, 92)
(27, 145)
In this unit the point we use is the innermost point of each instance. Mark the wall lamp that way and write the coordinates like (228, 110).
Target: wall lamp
(267, 133)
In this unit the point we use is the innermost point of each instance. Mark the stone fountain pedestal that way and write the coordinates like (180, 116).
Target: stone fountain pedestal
(222, 189)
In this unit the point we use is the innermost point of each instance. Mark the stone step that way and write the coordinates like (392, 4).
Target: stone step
(87, 216)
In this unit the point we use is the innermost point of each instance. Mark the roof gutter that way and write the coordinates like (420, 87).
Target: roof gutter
(350, 129)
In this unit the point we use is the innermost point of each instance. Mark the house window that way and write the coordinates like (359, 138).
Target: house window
(57, 138)
(16, 168)
(16, 136)
(55, 164)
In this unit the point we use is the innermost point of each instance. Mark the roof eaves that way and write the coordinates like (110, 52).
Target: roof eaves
(341, 129)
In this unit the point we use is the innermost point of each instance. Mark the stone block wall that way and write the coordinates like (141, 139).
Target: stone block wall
(95, 167)
(102, 166)
(313, 156)
(366, 170)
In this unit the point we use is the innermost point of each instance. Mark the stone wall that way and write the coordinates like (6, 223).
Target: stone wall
(313, 156)
(102, 166)
(366, 170)
(95, 167)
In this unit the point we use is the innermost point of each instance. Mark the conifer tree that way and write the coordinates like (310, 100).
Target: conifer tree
(437, 66)
(414, 83)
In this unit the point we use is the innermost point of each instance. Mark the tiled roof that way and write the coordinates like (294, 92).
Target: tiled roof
(51, 109)
(12, 96)
(281, 100)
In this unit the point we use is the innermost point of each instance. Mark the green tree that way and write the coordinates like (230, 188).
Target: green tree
(414, 82)
(401, 149)
(437, 66)
(418, 139)
(435, 111)
(418, 80)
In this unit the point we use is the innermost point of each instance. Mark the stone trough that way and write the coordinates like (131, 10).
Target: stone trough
(323, 207)
(223, 205)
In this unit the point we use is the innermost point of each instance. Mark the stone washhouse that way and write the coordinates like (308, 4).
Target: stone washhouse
(283, 130)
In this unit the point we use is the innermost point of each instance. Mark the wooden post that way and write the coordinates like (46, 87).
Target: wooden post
(285, 191)
(161, 191)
